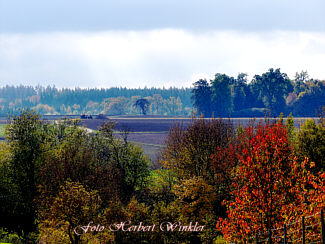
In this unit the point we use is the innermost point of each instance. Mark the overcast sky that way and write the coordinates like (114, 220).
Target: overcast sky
(137, 43)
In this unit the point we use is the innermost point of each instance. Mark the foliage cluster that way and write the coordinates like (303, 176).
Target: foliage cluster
(57, 176)
(272, 92)
(233, 181)
(271, 184)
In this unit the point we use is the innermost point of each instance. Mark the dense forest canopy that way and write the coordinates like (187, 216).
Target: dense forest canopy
(271, 92)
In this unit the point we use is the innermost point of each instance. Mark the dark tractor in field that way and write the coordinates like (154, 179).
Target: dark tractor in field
(84, 116)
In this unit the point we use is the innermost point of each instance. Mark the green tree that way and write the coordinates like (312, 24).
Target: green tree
(222, 104)
(290, 125)
(310, 101)
(310, 142)
(272, 87)
(239, 89)
(114, 106)
(201, 97)
(25, 136)
(99, 161)
(7, 192)
(300, 82)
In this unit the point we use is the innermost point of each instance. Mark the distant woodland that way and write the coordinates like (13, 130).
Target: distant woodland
(271, 92)
(113, 101)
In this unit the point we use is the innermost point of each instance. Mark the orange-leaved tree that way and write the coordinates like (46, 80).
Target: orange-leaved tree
(270, 185)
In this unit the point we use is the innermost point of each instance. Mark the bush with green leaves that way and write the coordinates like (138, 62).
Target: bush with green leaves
(310, 142)
(38, 159)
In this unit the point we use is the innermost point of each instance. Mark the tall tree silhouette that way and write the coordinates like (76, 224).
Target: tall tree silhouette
(143, 104)
(202, 97)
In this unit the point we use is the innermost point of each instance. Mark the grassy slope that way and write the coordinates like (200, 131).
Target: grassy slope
(2, 130)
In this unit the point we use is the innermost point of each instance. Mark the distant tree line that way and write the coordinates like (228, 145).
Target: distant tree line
(224, 96)
(112, 101)
(272, 92)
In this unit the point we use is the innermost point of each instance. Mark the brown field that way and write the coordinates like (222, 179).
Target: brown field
(149, 132)
(138, 124)
(157, 138)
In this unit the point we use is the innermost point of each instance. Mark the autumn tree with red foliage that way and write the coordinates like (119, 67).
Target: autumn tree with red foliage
(270, 186)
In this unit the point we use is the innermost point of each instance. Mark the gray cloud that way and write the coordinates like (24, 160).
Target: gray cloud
(169, 57)
(101, 15)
